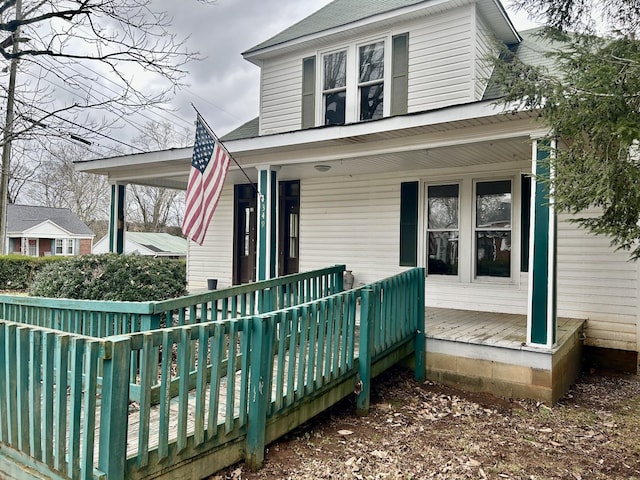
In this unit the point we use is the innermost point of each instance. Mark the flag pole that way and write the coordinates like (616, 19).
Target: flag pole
(229, 153)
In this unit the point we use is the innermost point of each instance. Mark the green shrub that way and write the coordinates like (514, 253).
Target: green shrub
(18, 271)
(133, 278)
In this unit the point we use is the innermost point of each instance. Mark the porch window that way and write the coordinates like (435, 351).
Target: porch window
(493, 229)
(59, 246)
(443, 229)
(334, 87)
(371, 81)
(70, 246)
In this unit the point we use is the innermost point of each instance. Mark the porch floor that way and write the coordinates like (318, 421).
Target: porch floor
(492, 329)
(487, 352)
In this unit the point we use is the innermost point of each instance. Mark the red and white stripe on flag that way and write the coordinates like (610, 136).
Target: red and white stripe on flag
(209, 166)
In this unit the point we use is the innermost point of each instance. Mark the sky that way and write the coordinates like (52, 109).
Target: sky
(223, 86)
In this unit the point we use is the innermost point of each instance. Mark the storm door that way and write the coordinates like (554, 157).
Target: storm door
(289, 231)
(245, 233)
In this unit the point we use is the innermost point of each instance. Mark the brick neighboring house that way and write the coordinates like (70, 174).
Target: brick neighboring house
(41, 231)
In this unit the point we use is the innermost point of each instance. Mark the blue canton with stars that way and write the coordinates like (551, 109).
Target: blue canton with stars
(203, 148)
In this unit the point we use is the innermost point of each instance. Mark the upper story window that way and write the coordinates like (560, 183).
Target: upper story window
(356, 83)
(334, 87)
(371, 81)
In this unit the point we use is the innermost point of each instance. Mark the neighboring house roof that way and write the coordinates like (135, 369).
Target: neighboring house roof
(148, 243)
(341, 13)
(21, 218)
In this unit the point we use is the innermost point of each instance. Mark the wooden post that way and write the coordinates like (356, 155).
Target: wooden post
(420, 340)
(338, 283)
(364, 352)
(115, 405)
(259, 389)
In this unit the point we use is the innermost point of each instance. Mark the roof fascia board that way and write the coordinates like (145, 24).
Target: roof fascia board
(299, 137)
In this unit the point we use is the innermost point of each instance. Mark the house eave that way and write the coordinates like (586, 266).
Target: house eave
(492, 10)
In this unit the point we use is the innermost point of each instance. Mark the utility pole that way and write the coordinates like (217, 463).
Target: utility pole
(7, 138)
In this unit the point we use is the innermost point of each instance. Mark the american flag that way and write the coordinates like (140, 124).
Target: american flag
(209, 166)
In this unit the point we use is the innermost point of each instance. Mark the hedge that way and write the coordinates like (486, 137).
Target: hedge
(110, 276)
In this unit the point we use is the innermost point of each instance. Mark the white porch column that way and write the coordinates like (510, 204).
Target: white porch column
(541, 312)
(267, 222)
(116, 219)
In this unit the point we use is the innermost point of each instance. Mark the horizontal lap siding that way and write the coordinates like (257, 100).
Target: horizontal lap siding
(440, 61)
(476, 296)
(484, 48)
(351, 221)
(599, 284)
(214, 259)
(281, 107)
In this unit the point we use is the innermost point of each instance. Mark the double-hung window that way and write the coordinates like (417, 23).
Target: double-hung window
(357, 82)
(59, 246)
(493, 229)
(334, 87)
(443, 229)
(371, 81)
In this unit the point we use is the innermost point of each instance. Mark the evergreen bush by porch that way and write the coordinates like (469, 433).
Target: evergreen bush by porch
(133, 278)
(17, 271)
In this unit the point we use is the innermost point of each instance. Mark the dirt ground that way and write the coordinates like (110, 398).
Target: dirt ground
(417, 431)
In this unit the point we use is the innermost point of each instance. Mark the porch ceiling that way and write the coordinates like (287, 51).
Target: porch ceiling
(349, 150)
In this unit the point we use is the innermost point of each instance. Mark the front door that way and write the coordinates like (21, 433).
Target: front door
(289, 227)
(245, 233)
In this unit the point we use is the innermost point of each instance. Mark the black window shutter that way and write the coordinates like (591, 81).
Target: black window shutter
(409, 224)
(308, 92)
(399, 74)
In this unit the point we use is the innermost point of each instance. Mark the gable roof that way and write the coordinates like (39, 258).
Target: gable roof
(21, 218)
(342, 13)
(336, 14)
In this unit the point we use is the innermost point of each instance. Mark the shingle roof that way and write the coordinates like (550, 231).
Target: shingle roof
(336, 14)
(23, 217)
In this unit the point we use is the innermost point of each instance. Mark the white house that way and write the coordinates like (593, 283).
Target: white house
(379, 145)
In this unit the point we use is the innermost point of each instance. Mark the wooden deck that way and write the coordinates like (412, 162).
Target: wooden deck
(491, 329)
(484, 351)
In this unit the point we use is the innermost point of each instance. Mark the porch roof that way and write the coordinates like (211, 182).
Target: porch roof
(457, 136)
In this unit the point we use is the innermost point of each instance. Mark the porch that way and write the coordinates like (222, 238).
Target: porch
(484, 351)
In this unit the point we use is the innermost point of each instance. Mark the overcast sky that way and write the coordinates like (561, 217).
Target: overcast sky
(224, 86)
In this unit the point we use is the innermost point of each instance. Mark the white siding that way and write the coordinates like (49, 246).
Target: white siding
(484, 48)
(214, 259)
(441, 51)
(354, 221)
(599, 284)
(281, 107)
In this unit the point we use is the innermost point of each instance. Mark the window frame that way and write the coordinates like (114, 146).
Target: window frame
(475, 229)
(328, 91)
(467, 220)
(55, 246)
(427, 230)
(352, 89)
(383, 81)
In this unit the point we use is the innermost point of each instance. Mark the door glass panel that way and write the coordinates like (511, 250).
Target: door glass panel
(247, 231)
(293, 235)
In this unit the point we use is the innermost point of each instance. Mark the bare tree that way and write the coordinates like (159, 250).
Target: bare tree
(78, 66)
(57, 184)
(155, 209)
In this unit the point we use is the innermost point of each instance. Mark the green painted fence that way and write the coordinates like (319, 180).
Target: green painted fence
(204, 395)
(103, 318)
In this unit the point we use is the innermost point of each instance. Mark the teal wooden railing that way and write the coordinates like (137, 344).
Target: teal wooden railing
(102, 318)
(224, 386)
